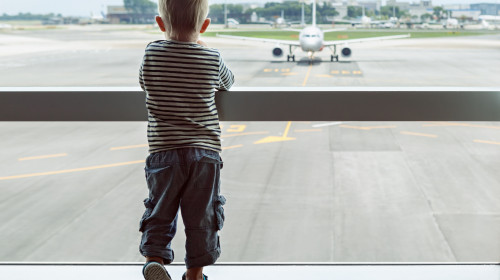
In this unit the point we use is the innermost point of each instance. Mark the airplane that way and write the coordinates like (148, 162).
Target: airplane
(489, 22)
(231, 22)
(5, 26)
(495, 19)
(452, 23)
(282, 22)
(311, 40)
(367, 22)
(279, 21)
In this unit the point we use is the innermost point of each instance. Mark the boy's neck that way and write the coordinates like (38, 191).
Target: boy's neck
(189, 38)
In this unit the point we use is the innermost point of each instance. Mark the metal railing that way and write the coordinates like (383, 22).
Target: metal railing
(261, 104)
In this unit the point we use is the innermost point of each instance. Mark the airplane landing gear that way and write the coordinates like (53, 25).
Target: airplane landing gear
(334, 55)
(291, 56)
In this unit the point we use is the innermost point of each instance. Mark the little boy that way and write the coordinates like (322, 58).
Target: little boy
(180, 76)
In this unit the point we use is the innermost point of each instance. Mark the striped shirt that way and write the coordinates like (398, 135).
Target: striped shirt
(180, 80)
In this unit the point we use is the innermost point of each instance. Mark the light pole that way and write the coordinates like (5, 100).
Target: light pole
(225, 15)
(302, 20)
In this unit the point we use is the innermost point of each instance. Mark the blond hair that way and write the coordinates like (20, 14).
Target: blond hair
(183, 16)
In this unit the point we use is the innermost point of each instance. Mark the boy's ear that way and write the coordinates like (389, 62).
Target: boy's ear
(205, 25)
(160, 23)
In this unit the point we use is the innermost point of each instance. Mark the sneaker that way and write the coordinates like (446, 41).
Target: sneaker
(184, 276)
(155, 271)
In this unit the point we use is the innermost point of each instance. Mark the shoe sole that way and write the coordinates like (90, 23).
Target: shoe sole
(156, 272)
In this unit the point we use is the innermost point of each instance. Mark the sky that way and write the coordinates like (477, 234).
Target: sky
(88, 7)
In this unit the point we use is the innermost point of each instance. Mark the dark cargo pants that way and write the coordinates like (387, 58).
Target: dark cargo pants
(189, 179)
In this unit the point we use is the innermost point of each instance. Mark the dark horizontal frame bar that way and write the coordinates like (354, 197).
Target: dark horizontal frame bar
(256, 264)
(261, 104)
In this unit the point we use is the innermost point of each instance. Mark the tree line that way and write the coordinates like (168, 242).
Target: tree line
(292, 12)
(29, 16)
(142, 11)
(324, 13)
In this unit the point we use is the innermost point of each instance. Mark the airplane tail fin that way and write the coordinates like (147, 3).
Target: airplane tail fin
(314, 13)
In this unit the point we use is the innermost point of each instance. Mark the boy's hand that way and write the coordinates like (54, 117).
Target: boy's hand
(200, 42)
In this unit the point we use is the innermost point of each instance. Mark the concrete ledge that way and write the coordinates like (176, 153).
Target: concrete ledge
(249, 271)
(261, 104)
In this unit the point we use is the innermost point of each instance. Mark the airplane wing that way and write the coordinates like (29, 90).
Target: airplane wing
(343, 21)
(292, 29)
(360, 22)
(334, 30)
(276, 41)
(379, 21)
(343, 42)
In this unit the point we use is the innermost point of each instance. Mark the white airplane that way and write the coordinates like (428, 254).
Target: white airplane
(5, 26)
(279, 22)
(231, 22)
(368, 22)
(452, 23)
(311, 40)
(489, 22)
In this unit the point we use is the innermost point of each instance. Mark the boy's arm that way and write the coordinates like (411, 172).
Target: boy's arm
(141, 78)
(226, 77)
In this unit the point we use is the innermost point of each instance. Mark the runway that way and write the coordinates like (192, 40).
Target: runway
(296, 191)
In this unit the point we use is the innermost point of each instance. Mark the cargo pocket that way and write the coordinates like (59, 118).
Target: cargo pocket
(152, 173)
(212, 158)
(219, 212)
(147, 214)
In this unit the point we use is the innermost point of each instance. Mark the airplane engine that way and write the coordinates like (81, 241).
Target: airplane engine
(277, 52)
(346, 52)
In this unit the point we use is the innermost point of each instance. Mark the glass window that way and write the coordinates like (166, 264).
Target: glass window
(341, 191)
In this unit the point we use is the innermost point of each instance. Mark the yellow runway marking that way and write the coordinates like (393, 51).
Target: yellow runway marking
(236, 128)
(355, 127)
(245, 133)
(461, 124)
(71, 170)
(487, 142)
(308, 130)
(289, 74)
(335, 72)
(43, 157)
(307, 75)
(324, 76)
(287, 129)
(418, 134)
(366, 127)
(128, 147)
(232, 147)
(271, 139)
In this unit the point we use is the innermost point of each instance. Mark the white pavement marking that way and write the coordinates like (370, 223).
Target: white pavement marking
(327, 124)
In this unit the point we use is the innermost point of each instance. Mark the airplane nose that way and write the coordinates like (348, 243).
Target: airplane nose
(312, 45)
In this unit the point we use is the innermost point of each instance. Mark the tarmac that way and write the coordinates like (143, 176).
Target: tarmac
(323, 192)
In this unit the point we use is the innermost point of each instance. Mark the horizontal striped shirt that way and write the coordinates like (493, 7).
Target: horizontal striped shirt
(180, 80)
